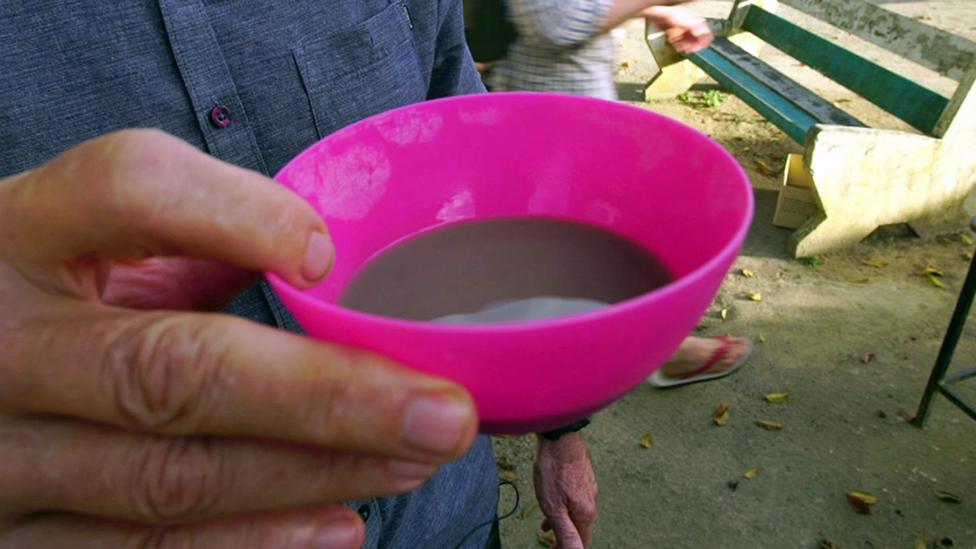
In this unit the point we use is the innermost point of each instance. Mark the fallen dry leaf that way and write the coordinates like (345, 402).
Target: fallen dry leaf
(859, 280)
(528, 511)
(861, 501)
(934, 280)
(506, 474)
(868, 357)
(777, 397)
(947, 497)
(968, 256)
(747, 273)
(724, 313)
(761, 337)
(827, 544)
(647, 441)
(546, 539)
(763, 167)
(921, 542)
(753, 296)
(770, 425)
(752, 473)
(965, 238)
(721, 420)
(931, 271)
(721, 414)
(876, 263)
(944, 241)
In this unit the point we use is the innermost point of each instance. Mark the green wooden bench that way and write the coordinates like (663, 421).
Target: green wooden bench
(862, 177)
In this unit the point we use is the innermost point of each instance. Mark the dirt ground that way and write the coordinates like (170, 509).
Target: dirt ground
(852, 344)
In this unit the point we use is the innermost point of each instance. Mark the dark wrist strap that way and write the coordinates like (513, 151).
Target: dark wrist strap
(571, 428)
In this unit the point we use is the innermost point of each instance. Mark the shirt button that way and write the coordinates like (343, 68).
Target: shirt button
(220, 116)
(364, 512)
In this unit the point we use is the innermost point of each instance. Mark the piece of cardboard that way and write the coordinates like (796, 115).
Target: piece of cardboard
(797, 202)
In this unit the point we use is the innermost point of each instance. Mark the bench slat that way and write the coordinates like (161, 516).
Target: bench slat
(823, 111)
(915, 104)
(785, 115)
(941, 51)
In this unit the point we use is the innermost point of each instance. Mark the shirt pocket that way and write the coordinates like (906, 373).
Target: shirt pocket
(362, 70)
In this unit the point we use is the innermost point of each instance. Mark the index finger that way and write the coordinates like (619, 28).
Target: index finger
(206, 373)
(144, 193)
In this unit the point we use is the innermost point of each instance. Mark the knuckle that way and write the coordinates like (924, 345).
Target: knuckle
(330, 397)
(145, 155)
(177, 480)
(160, 372)
(588, 511)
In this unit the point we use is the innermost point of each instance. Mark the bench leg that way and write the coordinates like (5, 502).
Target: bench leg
(821, 234)
(866, 178)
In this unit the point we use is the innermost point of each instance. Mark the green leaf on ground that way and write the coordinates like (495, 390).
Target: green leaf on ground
(770, 425)
(777, 397)
(812, 261)
(947, 497)
(706, 99)
(646, 441)
(861, 501)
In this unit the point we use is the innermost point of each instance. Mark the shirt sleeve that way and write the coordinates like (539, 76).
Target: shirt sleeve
(559, 24)
(454, 72)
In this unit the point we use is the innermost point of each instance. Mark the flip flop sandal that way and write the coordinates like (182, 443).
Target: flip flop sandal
(659, 379)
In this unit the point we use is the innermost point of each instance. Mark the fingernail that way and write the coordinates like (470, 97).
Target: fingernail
(410, 470)
(318, 257)
(338, 535)
(435, 424)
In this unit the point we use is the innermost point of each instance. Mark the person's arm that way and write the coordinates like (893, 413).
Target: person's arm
(563, 24)
(126, 422)
(566, 489)
(622, 10)
(687, 31)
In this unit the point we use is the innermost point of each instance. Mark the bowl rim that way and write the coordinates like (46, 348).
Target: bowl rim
(731, 247)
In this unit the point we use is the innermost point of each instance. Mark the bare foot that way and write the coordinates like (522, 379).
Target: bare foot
(694, 352)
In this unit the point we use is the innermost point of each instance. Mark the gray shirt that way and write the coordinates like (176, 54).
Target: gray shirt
(252, 83)
(560, 48)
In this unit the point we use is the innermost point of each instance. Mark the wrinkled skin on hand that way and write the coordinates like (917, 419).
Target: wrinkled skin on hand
(131, 416)
(566, 489)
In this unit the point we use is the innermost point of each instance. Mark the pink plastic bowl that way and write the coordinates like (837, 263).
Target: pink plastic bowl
(640, 174)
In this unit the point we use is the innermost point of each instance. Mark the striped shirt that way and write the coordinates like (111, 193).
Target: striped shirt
(559, 48)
